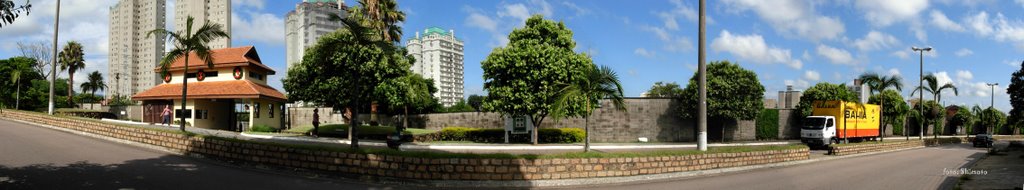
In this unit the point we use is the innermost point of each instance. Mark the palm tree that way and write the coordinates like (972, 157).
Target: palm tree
(936, 91)
(188, 43)
(978, 112)
(382, 16)
(94, 84)
(878, 84)
(16, 80)
(72, 59)
(597, 83)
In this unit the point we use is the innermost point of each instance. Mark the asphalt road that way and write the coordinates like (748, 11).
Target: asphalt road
(911, 169)
(33, 157)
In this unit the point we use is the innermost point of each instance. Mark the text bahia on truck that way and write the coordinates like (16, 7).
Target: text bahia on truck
(831, 122)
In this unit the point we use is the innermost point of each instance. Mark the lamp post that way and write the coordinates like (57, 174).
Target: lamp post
(920, 82)
(702, 107)
(992, 103)
(53, 67)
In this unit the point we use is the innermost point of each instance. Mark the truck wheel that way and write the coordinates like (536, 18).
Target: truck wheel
(834, 141)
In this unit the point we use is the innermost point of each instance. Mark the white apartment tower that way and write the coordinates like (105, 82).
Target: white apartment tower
(133, 53)
(438, 56)
(202, 11)
(305, 25)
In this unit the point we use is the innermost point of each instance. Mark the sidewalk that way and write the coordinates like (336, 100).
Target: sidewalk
(461, 147)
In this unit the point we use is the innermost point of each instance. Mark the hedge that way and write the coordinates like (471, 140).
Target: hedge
(768, 124)
(546, 135)
(262, 128)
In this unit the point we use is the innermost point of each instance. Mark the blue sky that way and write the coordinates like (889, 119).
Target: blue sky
(785, 41)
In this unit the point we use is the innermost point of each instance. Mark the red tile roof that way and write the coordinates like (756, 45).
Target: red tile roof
(212, 90)
(227, 57)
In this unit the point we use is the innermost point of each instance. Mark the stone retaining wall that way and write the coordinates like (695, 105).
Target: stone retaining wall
(375, 165)
(878, 147)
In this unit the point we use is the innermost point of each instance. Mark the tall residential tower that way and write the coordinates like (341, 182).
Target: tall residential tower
(133, 53)
(305, 25)
(202, 11)
(438, 56)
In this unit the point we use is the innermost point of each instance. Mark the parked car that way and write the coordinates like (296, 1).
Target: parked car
(983, 140)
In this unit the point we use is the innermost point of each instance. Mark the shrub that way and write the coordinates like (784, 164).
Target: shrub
(546, 135)
(768, 124)
(263, 128)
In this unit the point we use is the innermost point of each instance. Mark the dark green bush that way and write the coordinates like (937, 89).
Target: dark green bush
(263, 128)
(768, 124)
(546, 135)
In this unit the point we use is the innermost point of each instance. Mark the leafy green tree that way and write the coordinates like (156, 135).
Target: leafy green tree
(932, 113)
(992, 119)
(597, 84)
(665, 90)
(1016, 92)
(94, 84)
(188, 43)
(733, 93)
(896, 108)
(72, 59)
(411, 90)
(9, 11)
(963, 118)
(476, 101)
(18, 70)
(824, 91)
(877, 83)
(521, 77)
(351, 63)
(382, 16)
(932, 86)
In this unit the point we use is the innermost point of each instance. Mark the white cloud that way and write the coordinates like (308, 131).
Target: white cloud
(793, 18)
(517, 11)
(963, 52)
(901, 54)
(752, 47)
(942, 22)
(1021, 2)
(643, 52)
(964, 75)
(886, 12)
(875, 40)
(659, 32)
(258, 4)
(979, 24)
(680, 44)
(580, 11)
(812, 75)
(679, 10)
(807, 56)
(797, 84)
(542, 7)
(259, 27)
(483, 22)
(835, 55)
(894, 72)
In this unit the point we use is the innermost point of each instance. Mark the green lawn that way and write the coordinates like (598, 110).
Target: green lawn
(341, 130)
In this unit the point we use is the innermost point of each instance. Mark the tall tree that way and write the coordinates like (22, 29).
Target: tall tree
(521, 76)
(411, 90)
(665, 90)
(351, 63)
(9, 11)
(733, 93)
(476, 101)
(598, 83)
(963, 118)
(896, 109)
(382, 16)
(877, 83)
(72, 59)
(187, 43)
(1016, 92)
(41, 52)
(933, 87)
(978, 112)
(94, 84)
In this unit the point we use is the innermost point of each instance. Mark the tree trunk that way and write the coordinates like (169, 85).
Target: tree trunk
(71, 88)
(353, 128)
(586, 129)
(881, 118)
(405, 120)
(17, 95)
(184, 91)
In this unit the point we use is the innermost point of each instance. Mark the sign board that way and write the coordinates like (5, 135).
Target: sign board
(518, 124)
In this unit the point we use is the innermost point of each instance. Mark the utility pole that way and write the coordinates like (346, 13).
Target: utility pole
(702, 108)
(992, 103)
(53, 67)
(920, 82)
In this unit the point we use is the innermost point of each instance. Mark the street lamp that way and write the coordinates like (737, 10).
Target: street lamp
(920, 82)
(702, 107)
(992, 103)
(53, 67)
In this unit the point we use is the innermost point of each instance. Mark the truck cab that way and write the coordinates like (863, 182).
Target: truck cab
(818, 130)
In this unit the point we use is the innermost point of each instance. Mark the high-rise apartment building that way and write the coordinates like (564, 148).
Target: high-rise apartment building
(438, 56)
(202, 11)
(305, 25)
(133, 53)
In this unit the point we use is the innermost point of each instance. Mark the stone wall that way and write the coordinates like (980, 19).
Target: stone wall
(889, 145)
(789, 124)
(411, 167)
